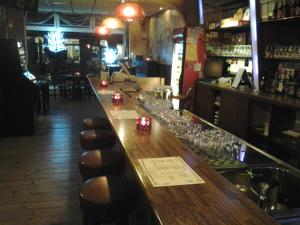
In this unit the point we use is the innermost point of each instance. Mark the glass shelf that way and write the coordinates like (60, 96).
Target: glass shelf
(243, 28)
(288, 20)
(230, 56)
(281, 59)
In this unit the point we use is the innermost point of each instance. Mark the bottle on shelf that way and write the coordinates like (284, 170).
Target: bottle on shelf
(280, 11)
(286, 10)
(286, 79)
(262, 83)
(293, 8)
(297, 12)
(292, 85)
(275, 10)
(274, 83)
(297, 80)
(280, 84)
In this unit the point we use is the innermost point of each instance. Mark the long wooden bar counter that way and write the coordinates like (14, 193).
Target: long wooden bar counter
(216, 201)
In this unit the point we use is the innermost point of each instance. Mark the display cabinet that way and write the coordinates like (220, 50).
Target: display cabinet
(268, 121)
(279, 47)
(228, 36)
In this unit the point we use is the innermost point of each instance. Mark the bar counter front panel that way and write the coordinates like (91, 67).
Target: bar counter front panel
(216, 201)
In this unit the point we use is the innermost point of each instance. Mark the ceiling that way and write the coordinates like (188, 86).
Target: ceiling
(98, 6)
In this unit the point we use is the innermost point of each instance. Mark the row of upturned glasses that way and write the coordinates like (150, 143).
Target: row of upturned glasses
(201, 139)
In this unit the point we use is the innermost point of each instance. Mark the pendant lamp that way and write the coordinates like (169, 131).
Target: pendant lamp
(129, 11)
(103, 30)
(113, 23)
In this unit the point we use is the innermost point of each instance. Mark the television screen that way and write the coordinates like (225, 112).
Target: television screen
(213, 68)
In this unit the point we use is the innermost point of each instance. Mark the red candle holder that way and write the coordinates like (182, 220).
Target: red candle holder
(143, 123)
(117, 98)
(104, 83)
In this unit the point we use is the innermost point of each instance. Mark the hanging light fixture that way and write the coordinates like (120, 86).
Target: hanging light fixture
(129, 11)
(113, 23)
(103, 30)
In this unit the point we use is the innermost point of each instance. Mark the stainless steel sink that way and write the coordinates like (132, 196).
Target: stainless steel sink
(273, 188)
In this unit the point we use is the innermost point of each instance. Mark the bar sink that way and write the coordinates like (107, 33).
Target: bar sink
(273, 188)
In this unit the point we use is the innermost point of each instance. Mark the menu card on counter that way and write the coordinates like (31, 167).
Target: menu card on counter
(106, 92)
(169, 171)
(124, 114)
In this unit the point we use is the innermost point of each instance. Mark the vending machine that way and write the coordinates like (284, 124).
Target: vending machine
(187, 61)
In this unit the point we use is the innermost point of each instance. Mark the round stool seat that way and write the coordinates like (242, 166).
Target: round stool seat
(96, 123)
(100, 163)
(98, 138)
(107, 199)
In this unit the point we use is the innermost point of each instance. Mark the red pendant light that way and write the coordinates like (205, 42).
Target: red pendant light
(129, 11)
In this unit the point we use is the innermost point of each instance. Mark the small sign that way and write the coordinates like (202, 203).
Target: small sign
(169, 171)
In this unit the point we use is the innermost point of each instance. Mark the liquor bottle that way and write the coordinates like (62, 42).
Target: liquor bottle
(275, 10)
(293, 8)
(280, 11)
(287, 77)
(286, 10)
(297, 12)
(262, 83)
(274, 83)
(280, 84)
(292, 87)
(297, 92)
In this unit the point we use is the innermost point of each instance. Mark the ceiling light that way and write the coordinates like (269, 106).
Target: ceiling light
(129, 11)
(112, 23)
(102, 30)
(161, 8)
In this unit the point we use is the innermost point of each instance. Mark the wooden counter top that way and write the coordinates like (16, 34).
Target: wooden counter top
(215, 202)
(274, 99)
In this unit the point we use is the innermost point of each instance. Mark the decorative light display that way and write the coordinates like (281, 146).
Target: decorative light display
(56, 41)
(129, 11)
(110, 55)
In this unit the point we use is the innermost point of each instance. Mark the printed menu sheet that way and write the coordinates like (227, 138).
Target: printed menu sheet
(124, 114)
(106, 92)
(169, 171)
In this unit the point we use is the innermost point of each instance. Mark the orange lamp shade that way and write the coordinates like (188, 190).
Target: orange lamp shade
(129, 11)
(113, 23)
(103, 30)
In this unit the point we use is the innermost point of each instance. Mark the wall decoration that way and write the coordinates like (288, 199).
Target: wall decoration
(160, 35)
(56, 41)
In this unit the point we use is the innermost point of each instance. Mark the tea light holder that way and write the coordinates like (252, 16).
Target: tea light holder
(143, 123)
(103, 83)
(117, 98)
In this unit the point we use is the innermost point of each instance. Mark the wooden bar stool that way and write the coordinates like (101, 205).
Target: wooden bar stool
(107, 199)
(97, 139)
(96, 123)
(100, 163)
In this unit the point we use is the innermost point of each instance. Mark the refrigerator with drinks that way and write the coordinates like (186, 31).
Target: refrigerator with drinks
(187, 61)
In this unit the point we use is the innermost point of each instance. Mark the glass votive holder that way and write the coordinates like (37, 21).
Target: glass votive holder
(103, 83)
(143, 123)
(117, 98)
